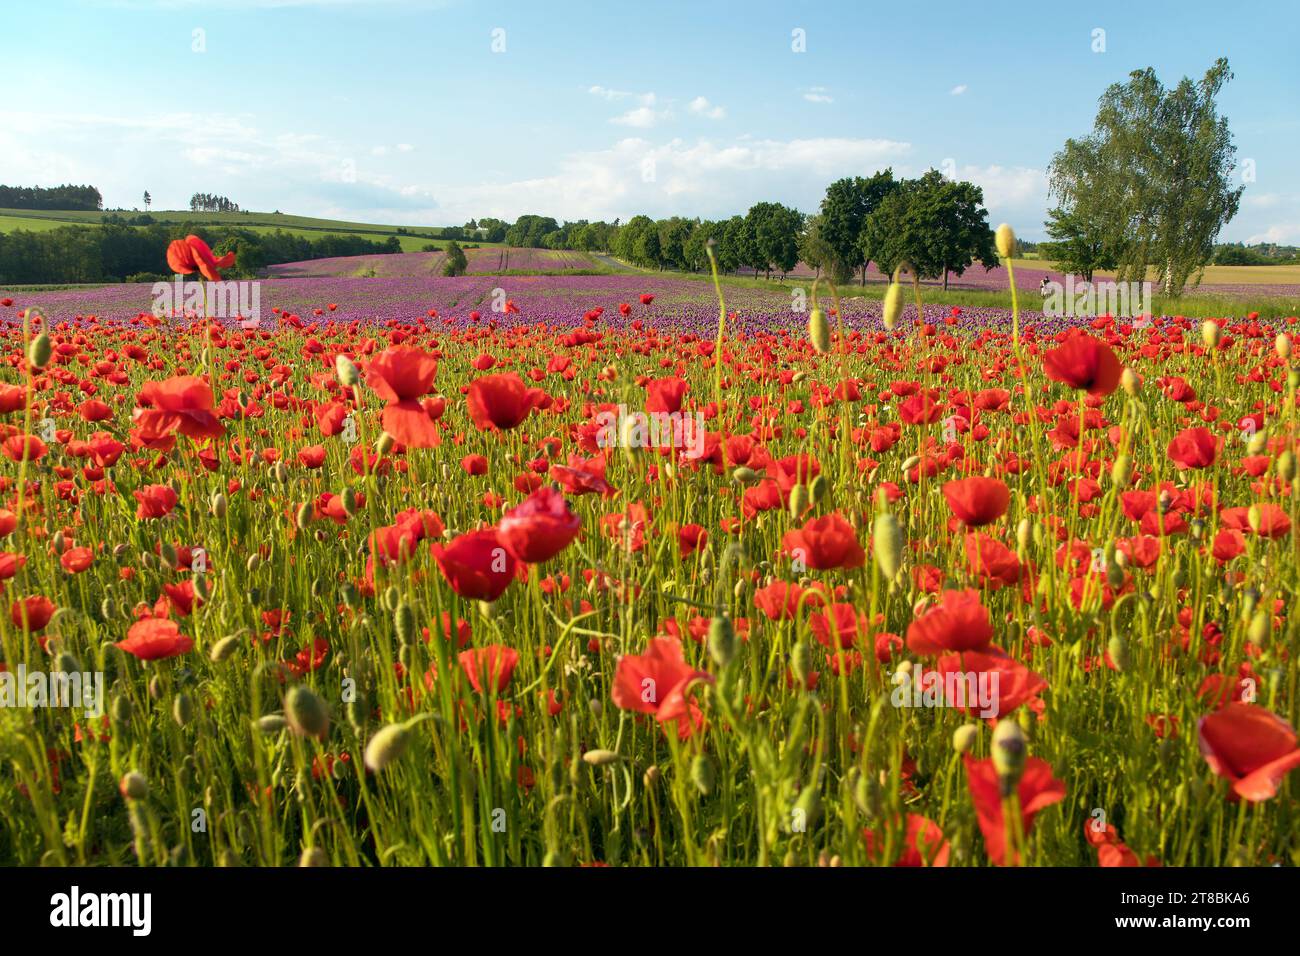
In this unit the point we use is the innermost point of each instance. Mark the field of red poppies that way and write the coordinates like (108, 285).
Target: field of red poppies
(604, 587)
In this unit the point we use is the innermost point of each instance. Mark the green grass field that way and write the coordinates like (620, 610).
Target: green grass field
(414, 240)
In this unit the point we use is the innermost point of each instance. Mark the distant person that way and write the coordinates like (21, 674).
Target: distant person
(1042, 286)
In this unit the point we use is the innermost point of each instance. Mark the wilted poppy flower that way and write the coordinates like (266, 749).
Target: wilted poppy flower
(977, 501)
(958, 623)
(1085, 363)
(825, 543)
(476, 565)
(155, 638)
(1249, 746)
(539, 528)
(501, 402)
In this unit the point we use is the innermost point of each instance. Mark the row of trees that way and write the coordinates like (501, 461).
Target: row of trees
(1150, 187)
(114, 252)
(51, 197)
(207, 202)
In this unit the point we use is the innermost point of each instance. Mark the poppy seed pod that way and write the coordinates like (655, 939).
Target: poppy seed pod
(307, 713)
(133, 785)
(1005, 239)
(819, 331)
(387, 745)
(892, 307)
(1210, 333)
(703, 774)
(346, 370)
(39, 352)
(599, 758)
(887, 544)
(1009, 754)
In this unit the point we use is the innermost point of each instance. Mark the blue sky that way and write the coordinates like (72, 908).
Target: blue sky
(402, 110)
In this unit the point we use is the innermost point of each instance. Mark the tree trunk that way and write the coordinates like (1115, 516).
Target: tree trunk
(945, 278)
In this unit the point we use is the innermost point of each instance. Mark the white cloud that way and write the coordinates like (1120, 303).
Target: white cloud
(958, 90)
(701, 106)
(642, 117)
(379, 151)
(818, 94)
(1284, 233)
(404, 147)
(645, 99)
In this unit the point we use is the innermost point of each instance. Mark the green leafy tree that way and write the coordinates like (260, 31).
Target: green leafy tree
(1156, 170)
(845, 209)
(455, 263)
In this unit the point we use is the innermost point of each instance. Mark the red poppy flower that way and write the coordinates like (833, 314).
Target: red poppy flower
(476, 565)
(539, 528)
(156, 501)
(401, 375)
(923, 844)
(958, 623)
(665, 394)
(825, 543)
(155, 638)
(501, 402)
(192, 253)
(1251, 747)
(179, 404)
(976, 500)
(780, 600)
(657, 682)
(1083, 362)
(1037, 790)
(37, 609)
(76, 560)
(490, 666)
(1193, 448)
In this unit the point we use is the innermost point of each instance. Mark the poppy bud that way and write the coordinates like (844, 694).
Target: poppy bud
(313, 856)
(650, 777)
(1255, 517)
(1210, 333)
(892, 307)
(1121, 473)
(39, 352)
(357, 711)
(183, 708)
(223, 649)
(121, 709)
(1005, 239)
(887, 544)
(385, 443)
(1261, 626)
(745, 476)
(820, 490)
(271, 724)
(1117, 648)
(799, 376)
(306, 712)
(867, 795)
(156, 687)
(1128, 380)
(819, 331)
(799, 499)
(346, 370)
(910, 462)
(807, 809)
(722, 640)
(404, 622)
(1024, 534)
(1009, 755)
(963, 738)
(1257, 444)
(1283, 346)
(703, 774)
(387, 745)
(218, 504)
(599, 758)
(1286, 465)
(133, 785)
(801, 662)
(349, 502)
